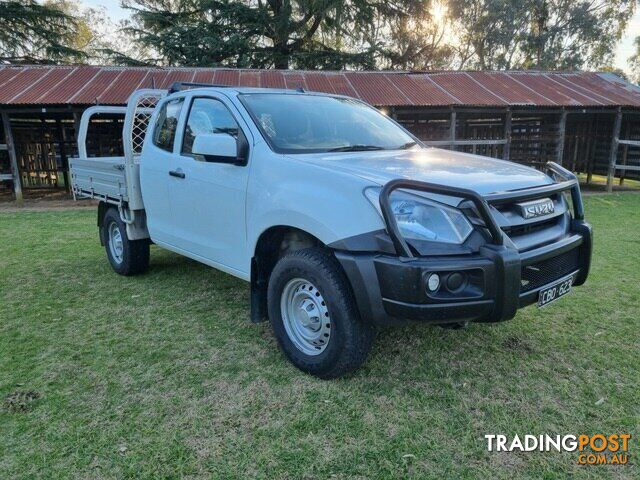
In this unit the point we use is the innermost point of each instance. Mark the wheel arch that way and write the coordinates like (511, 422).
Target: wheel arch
(270, 246)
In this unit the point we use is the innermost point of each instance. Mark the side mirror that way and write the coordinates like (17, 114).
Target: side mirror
(217, 148)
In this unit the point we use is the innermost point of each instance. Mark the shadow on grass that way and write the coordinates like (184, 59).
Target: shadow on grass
(416, 350)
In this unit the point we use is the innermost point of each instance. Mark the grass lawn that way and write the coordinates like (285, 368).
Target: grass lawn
(163, 376)
(599, 182)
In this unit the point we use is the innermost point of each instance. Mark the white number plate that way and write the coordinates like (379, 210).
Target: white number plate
(555, 291)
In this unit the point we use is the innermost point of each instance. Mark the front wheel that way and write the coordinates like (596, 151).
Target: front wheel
(314, 315)
(127, 257)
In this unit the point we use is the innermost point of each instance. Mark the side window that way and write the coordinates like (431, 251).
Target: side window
(207, 115)
(165, 131)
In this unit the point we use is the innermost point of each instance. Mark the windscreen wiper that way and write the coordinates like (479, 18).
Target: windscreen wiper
(355, 148)
(407, 145)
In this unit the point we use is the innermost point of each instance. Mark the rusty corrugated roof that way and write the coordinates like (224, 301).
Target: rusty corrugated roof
(84, 85)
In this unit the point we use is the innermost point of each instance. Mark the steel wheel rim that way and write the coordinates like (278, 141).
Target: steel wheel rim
(305, 316)
(116, 245)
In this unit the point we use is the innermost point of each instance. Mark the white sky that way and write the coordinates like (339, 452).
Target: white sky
(625, 47)
(112, 6)
(623, 52)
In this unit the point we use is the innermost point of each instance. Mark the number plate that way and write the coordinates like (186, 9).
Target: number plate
(555, 291)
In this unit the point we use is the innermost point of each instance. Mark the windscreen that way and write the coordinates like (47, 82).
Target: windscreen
(295, 123)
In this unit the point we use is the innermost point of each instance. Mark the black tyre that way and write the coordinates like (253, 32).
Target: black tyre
(314, 315)
(127, 257)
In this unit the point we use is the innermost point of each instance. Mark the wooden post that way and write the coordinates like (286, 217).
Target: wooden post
(452, 129)
(561, 134)
(590, 157)
(77, 116)
(506, 151)
(614, 149)
(17, 184)
(625, 153)
(65, 153)
(574, 159)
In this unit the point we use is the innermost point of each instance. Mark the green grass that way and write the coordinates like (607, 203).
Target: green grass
(601, 181)
(163, 376)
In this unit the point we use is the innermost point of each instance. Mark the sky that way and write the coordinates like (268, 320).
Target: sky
(623, 52)
(112, 6)
(625, 47)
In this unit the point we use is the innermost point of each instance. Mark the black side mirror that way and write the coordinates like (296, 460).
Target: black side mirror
(242, 157)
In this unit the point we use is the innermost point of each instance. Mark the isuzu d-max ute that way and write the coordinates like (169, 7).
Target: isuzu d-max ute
(339, 218)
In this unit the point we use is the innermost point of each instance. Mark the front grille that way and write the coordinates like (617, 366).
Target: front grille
(526, 229)
(515, 226)
(546, 271)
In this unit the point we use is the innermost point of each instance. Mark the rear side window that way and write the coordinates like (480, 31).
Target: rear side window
(167, 124)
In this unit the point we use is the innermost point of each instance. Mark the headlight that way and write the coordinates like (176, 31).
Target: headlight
(419, 218)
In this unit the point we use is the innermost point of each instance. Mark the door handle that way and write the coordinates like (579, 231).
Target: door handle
(176, 173)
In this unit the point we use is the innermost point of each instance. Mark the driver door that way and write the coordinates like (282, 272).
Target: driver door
(208, 198)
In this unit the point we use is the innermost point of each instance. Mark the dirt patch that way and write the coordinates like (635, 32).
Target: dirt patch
(20, 402)
(593, 193)
(517, 344)
(46, 204)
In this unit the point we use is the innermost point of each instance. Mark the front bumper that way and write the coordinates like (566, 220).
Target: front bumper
(496, 281)
(390, 289)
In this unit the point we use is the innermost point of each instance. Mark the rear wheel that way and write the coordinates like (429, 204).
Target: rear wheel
(314, 315)
(127, 257)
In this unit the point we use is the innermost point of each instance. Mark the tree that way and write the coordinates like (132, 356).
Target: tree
(413, 38)
(489, 32)
(274, 33)
(37, 33)
(539, 34)
(102, 39)
(285, 33)
(634, 61)
(570, 35)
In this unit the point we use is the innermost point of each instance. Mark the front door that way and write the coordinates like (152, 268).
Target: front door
(208, 202)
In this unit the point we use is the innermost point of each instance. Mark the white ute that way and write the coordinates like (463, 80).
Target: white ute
(338, 217)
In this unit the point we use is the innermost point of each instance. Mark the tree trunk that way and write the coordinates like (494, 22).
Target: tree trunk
(281, 62)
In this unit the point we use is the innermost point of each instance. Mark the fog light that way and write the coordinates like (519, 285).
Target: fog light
(455, 281)
(433, 282)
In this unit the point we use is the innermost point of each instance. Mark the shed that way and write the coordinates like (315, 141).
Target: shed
(587, 121)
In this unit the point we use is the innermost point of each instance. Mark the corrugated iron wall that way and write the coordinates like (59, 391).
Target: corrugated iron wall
(45, 141)
(628, 155)
(512, 115)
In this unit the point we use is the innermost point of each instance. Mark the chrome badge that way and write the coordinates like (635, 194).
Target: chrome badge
(536, 208)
